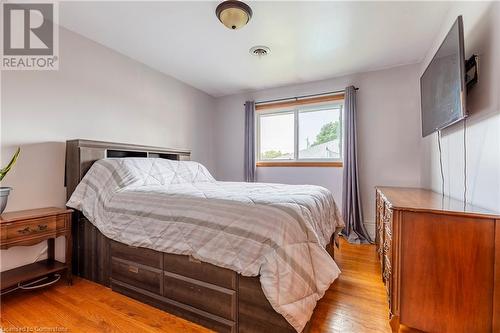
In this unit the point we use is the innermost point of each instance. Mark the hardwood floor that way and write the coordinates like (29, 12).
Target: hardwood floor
(355, 303)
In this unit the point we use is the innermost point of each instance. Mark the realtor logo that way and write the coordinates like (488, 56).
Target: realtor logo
(30, 36)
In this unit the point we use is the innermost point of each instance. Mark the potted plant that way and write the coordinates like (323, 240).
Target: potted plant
(5, 191)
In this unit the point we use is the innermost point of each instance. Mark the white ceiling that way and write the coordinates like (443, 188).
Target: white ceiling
(309, 40)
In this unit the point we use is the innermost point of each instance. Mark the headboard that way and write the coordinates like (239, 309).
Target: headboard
(81, 154)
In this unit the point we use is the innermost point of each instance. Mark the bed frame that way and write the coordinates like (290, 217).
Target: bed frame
(214, 297)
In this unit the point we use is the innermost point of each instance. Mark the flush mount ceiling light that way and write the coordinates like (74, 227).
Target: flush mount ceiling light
(260, 51)
(233, 14)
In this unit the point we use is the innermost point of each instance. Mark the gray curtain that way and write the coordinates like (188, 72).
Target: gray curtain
(250, 141)
(352, 211)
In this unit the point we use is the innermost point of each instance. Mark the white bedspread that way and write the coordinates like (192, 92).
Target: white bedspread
(276, 231)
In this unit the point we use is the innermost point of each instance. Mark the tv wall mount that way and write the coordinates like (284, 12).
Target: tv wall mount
(471, 72)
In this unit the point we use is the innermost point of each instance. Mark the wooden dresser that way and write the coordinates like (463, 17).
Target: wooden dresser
(440, 261)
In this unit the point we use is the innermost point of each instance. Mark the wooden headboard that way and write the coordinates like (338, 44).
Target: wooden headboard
(81, 154)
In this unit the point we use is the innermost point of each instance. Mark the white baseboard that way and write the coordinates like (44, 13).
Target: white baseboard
(370, 227)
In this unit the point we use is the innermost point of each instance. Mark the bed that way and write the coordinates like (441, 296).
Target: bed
(234, 257)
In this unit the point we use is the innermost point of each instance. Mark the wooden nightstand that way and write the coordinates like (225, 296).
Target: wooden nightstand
(29, 227)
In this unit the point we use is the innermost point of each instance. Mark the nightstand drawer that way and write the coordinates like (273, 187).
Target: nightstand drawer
(63, 222)
(30, 228)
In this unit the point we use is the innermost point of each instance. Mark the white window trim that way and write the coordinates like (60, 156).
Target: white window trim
(296, 111)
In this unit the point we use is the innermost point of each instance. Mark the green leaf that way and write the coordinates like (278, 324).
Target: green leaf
(328, 132)
(4, 171)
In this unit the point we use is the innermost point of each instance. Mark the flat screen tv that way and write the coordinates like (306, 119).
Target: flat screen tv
(442, 86)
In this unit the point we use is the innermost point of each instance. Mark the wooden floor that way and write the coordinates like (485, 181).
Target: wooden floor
(356, 302)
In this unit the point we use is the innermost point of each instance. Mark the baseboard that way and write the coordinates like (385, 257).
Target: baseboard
(370, 227)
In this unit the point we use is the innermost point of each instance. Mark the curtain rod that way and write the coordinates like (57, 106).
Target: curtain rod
(303, 96)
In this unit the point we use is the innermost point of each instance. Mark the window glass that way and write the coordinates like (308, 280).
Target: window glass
(320, 134)
(276, 136)
(305, 133)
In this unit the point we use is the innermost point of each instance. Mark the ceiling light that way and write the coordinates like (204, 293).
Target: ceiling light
(260, 51)
(233, 14)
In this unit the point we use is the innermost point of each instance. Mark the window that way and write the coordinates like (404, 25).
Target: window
(300, 133)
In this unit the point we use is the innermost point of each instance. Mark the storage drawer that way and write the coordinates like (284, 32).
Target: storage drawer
(192, 268)
(203, 318)
(30, 228)
(139, 255)
(217, 300)
(144, 277)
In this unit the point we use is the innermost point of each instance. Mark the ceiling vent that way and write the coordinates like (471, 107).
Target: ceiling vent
(260, 51)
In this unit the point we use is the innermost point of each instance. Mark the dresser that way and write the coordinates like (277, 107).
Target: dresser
(440, 261)
(29, 227)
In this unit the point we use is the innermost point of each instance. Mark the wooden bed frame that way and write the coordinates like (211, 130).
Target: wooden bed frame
(214, 297)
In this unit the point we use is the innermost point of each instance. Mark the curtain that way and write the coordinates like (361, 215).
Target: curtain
(250, 141)
(352, 211)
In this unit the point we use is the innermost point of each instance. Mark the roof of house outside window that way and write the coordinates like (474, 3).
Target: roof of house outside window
(330, 149)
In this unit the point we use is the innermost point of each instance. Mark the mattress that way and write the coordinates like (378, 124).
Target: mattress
(274, 231)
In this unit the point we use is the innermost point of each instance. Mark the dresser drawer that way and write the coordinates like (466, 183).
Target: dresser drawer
(30, 228)
(195, 269)
(136, 254)
(388, 281)
(387, 230)
(201, 295)
(387, 269)
(147, 278)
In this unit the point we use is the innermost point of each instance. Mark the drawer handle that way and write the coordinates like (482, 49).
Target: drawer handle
(133, 269)
(27, 230)
(195, 289)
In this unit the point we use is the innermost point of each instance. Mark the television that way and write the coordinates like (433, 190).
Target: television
(442, 85)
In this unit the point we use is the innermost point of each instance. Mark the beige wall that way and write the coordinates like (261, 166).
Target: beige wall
(102, 95)
(96, 94)
(482, 37)
(388, 130)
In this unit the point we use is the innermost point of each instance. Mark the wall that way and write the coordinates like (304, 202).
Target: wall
(388, 133)
(96, 94)
(482, 37)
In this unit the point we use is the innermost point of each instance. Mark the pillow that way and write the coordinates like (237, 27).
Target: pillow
(156, 171)
(107, 176)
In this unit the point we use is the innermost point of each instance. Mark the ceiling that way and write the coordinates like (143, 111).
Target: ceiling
(309, 41)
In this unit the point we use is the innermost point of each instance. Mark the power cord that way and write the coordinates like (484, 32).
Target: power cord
(441, 162)
(465, 162)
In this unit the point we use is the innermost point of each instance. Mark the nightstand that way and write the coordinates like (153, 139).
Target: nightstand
(29, 227)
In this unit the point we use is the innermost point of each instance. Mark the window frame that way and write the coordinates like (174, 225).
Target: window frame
(296, 109)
